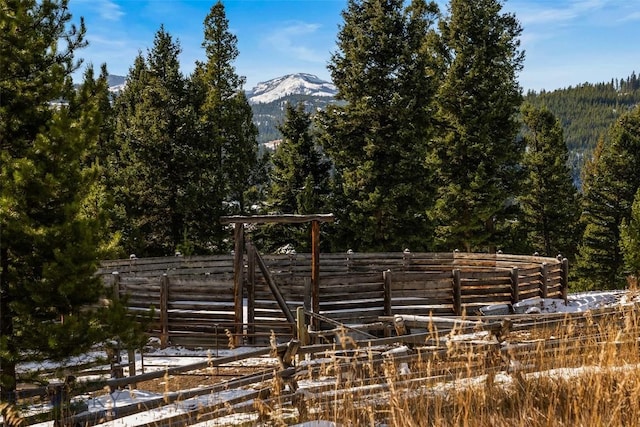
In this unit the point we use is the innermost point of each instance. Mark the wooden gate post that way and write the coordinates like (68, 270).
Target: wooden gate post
(238, 269)
(251, 292)
(315, 271)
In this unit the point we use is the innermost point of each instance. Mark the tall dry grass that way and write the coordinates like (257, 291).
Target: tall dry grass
(581, 370)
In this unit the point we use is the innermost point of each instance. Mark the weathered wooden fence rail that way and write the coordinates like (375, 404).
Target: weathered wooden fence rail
(194, 300)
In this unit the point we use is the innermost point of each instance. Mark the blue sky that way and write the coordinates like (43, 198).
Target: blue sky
(566, 42)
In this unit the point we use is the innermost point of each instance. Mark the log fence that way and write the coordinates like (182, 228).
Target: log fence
(204, 301)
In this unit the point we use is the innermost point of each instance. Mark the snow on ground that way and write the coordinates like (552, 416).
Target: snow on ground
(169, 357)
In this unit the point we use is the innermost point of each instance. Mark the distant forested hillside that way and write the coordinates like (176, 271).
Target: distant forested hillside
(268, 116)
(586, 113)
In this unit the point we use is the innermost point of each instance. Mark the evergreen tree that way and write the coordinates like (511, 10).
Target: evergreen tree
(299, 179)
(549, 201)
(378, 138)
(478, 154)
(154, 130)
(50, 224)
(609, 189)
(296, 162)
(227, 134)
(630, 240)
(240, 150)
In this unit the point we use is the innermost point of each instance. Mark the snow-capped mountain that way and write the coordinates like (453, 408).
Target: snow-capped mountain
(291, 84)
(116, 83)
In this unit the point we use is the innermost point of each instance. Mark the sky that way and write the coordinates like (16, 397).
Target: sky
(566, 42)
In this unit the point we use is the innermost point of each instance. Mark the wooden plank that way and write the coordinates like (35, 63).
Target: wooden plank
(200, 282)
(529, 293)
(378, 294)
(208, 308)
(339, 280)
(422, 302)
(445, 284)
(486, 299)
(421, 276)
(276, 219)
(352, 290)
(445, 293)
(352, 305)
(530, 287)
(480, 283)
(490, 290)
(193, 320)
(484, 274)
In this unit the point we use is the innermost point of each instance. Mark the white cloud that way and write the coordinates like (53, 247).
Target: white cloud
(635, 16)
(289, 39)
(109, 10)
(535, 13)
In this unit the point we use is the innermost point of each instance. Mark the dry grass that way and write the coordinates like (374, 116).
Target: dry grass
(580, 371)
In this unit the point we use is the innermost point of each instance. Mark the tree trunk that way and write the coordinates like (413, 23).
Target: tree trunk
(7, 363)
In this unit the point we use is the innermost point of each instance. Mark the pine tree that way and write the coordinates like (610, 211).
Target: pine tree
(549, 201)
(630, 240)
(227, 134)
(240, 150)
(299, 179)
(477, 155)
(50, 221)
(378, 138)
(298, 161)
(155, 128)
(609, 188)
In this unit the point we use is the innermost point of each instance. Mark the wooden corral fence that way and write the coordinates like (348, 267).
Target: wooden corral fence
(195, 302)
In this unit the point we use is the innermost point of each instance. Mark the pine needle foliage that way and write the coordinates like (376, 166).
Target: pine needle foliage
(378, 138)
(477, 154)
(549, 201)
(52, 231)
(609, 188)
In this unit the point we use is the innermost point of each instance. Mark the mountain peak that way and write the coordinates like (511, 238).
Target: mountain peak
(291, 84)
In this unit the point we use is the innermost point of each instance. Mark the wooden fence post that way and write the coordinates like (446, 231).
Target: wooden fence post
(302, 326)
(238, 269)
(457, 293)
(387, 292)
(307, 307)
(251, 292)
(545, 278)
(131, 353)
(515, 285)
(315, 267)
(565, 279)
(164, 311)
(406, 259)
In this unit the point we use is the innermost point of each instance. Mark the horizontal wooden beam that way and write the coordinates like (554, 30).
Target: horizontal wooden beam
(279, 219)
